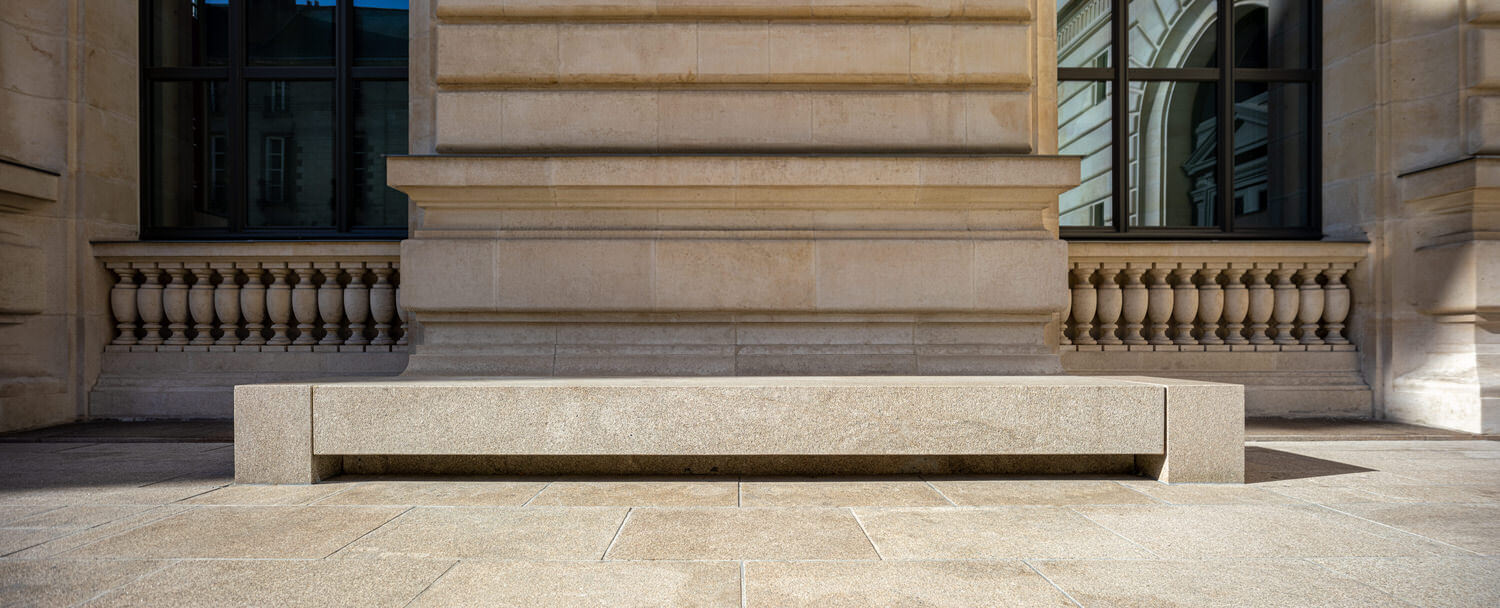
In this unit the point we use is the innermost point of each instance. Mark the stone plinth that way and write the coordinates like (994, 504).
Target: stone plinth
(1178, 430)
(734, 265)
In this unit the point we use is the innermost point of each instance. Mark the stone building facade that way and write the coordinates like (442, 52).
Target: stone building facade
(756, 187)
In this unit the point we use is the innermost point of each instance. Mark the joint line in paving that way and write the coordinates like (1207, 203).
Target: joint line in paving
(1054, 585)
(866, 533)
(618, 531)
(432, 582)
(369, 532)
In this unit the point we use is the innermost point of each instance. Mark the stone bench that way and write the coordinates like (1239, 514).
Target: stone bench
(1176, 430)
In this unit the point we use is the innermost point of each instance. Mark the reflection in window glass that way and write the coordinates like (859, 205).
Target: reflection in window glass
(189, 181)
(1084, 129)
(1173, 154)
(1083, 33)
(290, 161)
(189, 32)
(1272, 33)
(380, 36)
(285, 32)
(1271, 169)
(1173, 34)
(379, 129)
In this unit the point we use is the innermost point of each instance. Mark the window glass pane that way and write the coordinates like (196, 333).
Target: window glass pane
(379, 129)
(380, 32)
(284, 32)
(1271, 169)
(1173, 34)
(1272, 33)
(289, 157)
(1084, 128)
(189, 32)
(1173, 154)
(189, 155)
(1083, 33)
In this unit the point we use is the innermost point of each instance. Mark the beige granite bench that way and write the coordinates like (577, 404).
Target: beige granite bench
(1175, 430)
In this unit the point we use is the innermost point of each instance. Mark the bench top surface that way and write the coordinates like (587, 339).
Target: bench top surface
(754, 381)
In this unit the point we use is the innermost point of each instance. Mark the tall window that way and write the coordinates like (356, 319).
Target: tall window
(270, 118)
(1214, 135)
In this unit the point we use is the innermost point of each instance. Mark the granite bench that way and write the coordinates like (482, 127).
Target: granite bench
(1175, 430)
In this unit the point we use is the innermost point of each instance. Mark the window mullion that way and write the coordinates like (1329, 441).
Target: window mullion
(1120, 114)
(1225, 122)
(343, 131)
(237, 204)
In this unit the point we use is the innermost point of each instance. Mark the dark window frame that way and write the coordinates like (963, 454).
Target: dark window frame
(236, 76)
(1120, 75)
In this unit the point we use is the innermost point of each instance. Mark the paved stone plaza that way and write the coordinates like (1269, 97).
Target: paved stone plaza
(1321, 523)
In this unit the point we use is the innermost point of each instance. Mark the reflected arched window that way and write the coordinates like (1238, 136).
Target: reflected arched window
(1196, 146)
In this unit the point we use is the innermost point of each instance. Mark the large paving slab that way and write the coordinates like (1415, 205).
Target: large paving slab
(1251, 531)
(744, 533)
(244, 532)
(645, 492)
(65, 583)
(499, 532)
(1210, 584)
(838, 492)
(990, 533)
(291, 583)
(615, 584)
(1332, 524)
(938, 584)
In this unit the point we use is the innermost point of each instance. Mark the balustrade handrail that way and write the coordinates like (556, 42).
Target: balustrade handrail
(1263, 296)
(261, 296)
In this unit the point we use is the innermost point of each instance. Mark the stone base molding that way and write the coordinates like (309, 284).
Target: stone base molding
(1178, 431)
(1273, 315)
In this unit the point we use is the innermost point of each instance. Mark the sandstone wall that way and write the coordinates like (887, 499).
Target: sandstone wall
(68, 176)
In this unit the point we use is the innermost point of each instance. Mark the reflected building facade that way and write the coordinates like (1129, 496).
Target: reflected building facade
(1173, 82)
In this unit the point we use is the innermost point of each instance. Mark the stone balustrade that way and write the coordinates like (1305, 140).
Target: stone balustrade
(1209, 296)
(333, 297)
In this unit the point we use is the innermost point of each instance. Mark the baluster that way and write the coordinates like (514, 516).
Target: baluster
(1133, 306)
(1085, 303)
(279, 304)
(122, 299)
(356, 303)
(148, 303)
(401, 313)
(227, 304)
(1262, 301)
(382, 305)
(1236, 306)
(1158, 304)
(201, 304)
(1309, 304)
(305, 305)
(1210, 304)
(1285, 309)
(1335, 306)
(253, 303)
(1184, 304)
(1062, 321)
(1110, 303)
(330, 304)
(174, 303)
